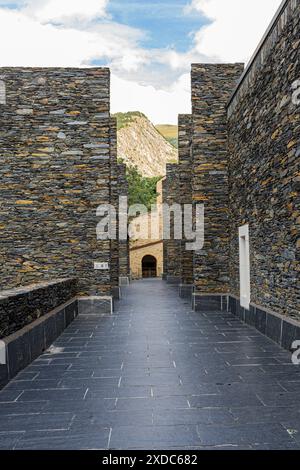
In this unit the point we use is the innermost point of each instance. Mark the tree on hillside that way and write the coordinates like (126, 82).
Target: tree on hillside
(141, 190)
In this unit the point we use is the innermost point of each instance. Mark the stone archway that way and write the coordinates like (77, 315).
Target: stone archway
(149, 266)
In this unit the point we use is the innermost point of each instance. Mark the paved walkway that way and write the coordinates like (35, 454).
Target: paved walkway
(155, 375)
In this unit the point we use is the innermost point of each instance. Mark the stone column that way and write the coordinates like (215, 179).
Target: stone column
(165, 242)
(114, 196)
(185, 191)
(124, 269)
(55, 172)
(212, 85)
(172, 246)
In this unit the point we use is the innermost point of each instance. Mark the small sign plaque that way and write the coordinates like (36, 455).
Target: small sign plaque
(101, 266)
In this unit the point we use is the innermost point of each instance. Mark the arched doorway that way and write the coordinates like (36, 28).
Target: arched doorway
(149, 266)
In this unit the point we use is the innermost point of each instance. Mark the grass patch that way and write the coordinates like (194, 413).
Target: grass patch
(169, 132)
(124, 119)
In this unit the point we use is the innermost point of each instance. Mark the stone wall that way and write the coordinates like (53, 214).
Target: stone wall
(31, 319)
(124, 268)
(55, 132)
(212, 85)
(164, 184)
(264, 169)
(172, 249)
(114, 200)
(185, 189)
(21, 306)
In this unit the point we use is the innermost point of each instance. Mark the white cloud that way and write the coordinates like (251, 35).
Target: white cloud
(161, 106)
(65, 10)
(46, 45)
(236, 29)
(65, 33)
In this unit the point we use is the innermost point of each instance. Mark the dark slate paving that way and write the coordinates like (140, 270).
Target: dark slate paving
(155, 375)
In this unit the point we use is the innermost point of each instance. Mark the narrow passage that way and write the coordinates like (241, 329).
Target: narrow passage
(155, 375)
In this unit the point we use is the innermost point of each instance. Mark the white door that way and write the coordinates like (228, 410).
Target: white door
(245, 293)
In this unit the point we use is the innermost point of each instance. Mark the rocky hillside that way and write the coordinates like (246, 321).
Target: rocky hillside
(140, 144)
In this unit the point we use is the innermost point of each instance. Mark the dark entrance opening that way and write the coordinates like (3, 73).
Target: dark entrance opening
(149, 266)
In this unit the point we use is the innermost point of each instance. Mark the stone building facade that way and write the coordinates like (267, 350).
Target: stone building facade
(150, 249)
(245, 163)
(58, 164)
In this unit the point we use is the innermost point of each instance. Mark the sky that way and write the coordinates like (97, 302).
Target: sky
(148, 45)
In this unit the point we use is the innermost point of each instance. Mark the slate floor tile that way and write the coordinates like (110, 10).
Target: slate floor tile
(64, 440)
(290, 386)
(158, 437)
(91, 383)
(119, 392)
(192, 416)
(14, 408)
(244, 434)
(99, 404)
(9, 442)
(25, 375)
(111, 419)
(36, 422)
(52, 395)
(279, 398)
(171, 403)
(266, 414)
(32, 384)
(180, 390)
(9, 395)
(224, 400)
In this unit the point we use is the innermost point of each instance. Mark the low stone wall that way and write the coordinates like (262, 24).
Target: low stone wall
(21, 306)
(22, 347)
(281, 329)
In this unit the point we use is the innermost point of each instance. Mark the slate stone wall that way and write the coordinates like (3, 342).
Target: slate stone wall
(21, 306)
(212, 85)
(171, 193)
(124, 268)
(114, 200)
(164, 184)
(185, 189)
(54, 172)
(264, 169)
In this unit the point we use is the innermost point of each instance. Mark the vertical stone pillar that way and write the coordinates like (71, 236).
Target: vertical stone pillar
(172, 246)
(185, 168)
(124, 260)
(114, 200)
(164, 184)
(55, 172)
(212, 85)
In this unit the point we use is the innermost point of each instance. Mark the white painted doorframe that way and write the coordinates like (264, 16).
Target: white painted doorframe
(244, 251)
